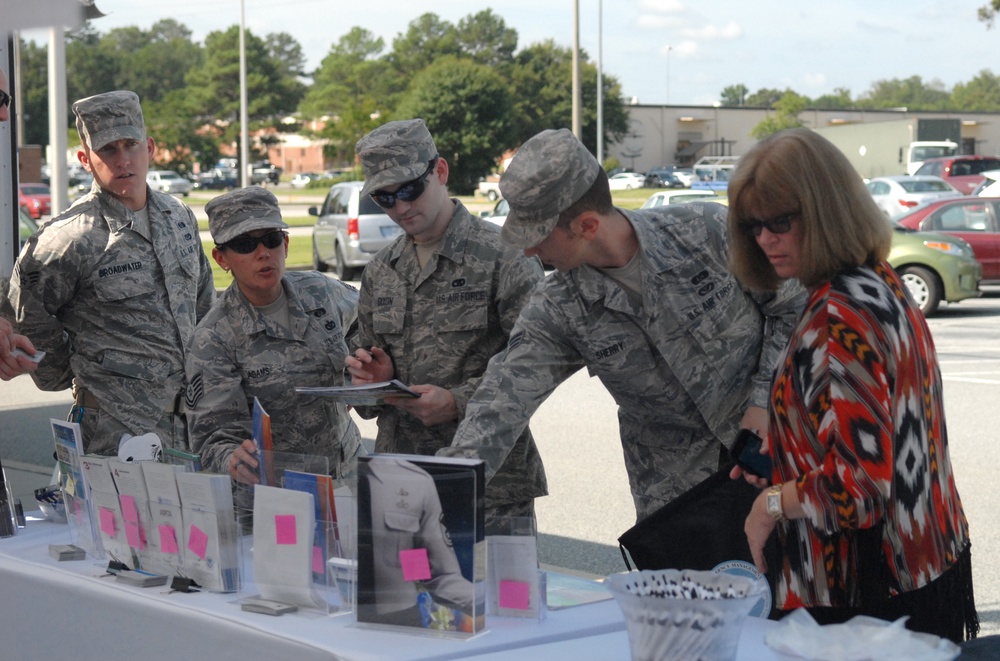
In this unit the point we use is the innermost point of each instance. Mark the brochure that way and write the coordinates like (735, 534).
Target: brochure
(362, 394)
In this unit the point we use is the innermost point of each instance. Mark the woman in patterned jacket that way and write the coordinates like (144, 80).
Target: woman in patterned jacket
(864, 500)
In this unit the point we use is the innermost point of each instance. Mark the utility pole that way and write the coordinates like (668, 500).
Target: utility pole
(576, 70)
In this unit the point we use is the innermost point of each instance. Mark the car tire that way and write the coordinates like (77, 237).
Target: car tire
(492, 195)
(924, 288)
(318, 264)
(343, 271)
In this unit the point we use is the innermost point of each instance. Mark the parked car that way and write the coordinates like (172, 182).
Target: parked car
(965, 173)
(666, 197)
(35, 198)
(990, 187)
(350, 229)
(262, 172)
(975, 220)
(664, 177)
(498, 214)
(626, 181)
(217, 179)
(302, 179)
(934, 267)
(26, 227)
(168, 181)
(897, 194)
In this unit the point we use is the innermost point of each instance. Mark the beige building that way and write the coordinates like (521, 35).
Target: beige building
(680, 135)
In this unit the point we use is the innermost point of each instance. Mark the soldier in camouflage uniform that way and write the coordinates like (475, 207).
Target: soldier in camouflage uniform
(270, 332)
(436, 304)
(113, 288)
(11, 365)
(645, 301)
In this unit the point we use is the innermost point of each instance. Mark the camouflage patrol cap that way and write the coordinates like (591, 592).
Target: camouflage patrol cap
(547, 175)
(395, 153)
(107, 117)
(242, 210)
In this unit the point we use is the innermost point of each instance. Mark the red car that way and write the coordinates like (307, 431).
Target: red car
(962, 172)
(974, 219)
(36, 199)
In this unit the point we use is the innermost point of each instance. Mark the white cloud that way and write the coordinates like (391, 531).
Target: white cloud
(651, 22)
(664, 6)
(730, 30)
(815, 80)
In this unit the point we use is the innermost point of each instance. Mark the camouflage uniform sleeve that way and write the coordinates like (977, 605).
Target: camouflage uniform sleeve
(206, 283)
(537, 359)
(218, 416)
(779, 311)
(44, 280)
(364, 336)
(518, 278)
(349, 320)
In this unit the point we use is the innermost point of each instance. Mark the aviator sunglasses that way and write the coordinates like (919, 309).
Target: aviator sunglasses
(777, 225)
(407, 192)
(4, 99)
(246, 244)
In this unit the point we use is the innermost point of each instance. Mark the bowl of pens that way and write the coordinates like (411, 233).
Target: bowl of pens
(679, 614)
(50, 502)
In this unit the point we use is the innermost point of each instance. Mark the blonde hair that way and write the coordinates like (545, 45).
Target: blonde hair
(799, 171)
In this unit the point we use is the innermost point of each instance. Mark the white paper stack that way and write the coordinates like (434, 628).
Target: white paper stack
(166, 525)
(107, 510)
(210, 539)
(134, 501)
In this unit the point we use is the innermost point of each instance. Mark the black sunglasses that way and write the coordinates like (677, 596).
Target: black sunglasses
(407, 192)
(246, 244)
(5, 99)
(777, 225)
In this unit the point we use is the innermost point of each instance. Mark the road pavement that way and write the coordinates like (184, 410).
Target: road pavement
(577, 433)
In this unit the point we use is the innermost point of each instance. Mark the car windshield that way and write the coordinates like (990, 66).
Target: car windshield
(964, 168)
(34, 190)
(925, 186)
(169, 175)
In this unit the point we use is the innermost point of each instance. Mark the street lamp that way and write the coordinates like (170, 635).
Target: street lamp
(669, 48)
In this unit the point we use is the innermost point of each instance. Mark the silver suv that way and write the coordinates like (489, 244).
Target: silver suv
(349, 230)
(168, 181)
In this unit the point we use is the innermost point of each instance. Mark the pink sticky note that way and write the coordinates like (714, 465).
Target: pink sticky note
(107, 522)
(132, 536)
(319, 562)
(514, 594)
(198, 542)
(284, 529)
(168, 539)
(129, 513)
(415, 565)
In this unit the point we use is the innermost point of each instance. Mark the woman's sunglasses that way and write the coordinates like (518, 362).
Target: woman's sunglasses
(777, 225)
(246, 244)
(407, 192)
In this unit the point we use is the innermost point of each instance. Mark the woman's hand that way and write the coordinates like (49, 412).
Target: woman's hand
(243, 463)
(758, 528)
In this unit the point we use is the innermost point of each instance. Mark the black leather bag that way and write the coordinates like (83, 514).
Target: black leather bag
(700, 529)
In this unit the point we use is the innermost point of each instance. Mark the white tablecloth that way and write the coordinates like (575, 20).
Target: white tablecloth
(53, 610)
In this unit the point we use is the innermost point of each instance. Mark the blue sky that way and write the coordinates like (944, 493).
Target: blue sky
(812, 47)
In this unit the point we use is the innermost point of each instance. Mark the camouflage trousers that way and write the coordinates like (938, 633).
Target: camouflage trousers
(512, 519)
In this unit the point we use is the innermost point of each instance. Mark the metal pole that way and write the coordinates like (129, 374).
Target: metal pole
(58, 183)
(244, 130)
(576, 70)
(600, 82)
(669, 48)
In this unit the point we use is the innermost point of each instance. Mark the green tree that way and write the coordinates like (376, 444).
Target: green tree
(988, 12)
(542, 94)
(734, 95)
(214, 85)
(981, 94)
(486, 39)
(840, 99)
(353, 89)
(911, 93)
(33, 105)
(467, 108)
(427, 38)
(786, 115)
(764, 98)
(158, 60)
